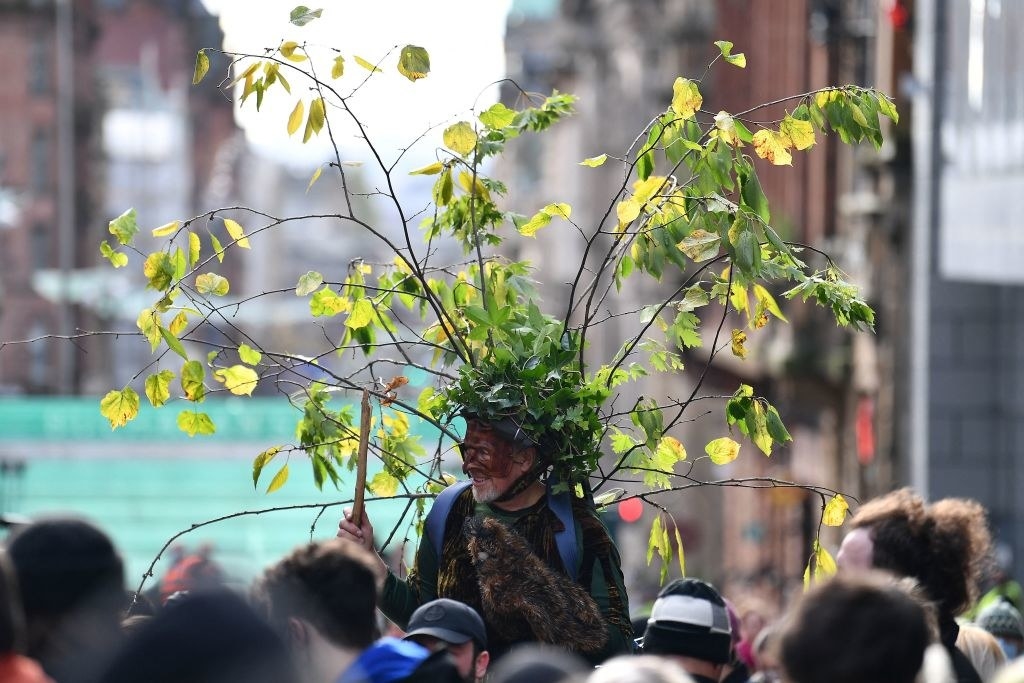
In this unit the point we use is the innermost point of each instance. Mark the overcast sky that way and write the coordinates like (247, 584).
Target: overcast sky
(463, 37)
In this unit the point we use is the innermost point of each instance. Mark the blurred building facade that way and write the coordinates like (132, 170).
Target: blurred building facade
(838, 392)
(101, 116)
(968, 434)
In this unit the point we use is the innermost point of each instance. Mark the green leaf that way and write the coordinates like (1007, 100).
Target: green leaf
(308, 283)
(279, 479)
(497, 116)
(835, 511)
(460, 138)
(366, 65)
(217, 248)
(172, 342)
(645, 165)
(249, 355)
(236, 231)
(414, 63)
(192, 376)
(120, 407)
(261, 460)
(202, 66)
(302, 15)
(887, 108)
(361, 315)
(124, 227)
(444, 188)
(158, 387)
(594, 162)
(159, 270)
(211, 283)
(116, 258)
(238, 379)
(700, 245)
(326, 302)
(739, 60)
(775, 427)
(193, 422)
(543, 217)
(722, 450)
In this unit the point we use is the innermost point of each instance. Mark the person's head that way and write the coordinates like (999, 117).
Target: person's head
(942, 545)
(855, 628)
(12, 620)
(211, 637)
(639, 669)
(538, 663)
(456, 627)
(499, 457)
(690, 623)
(982, 649)
(71, 581)
(1003, 621)
(322, 591)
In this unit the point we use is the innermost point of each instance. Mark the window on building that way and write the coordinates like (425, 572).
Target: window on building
(40, 65)
(41, 162)
(41, 247)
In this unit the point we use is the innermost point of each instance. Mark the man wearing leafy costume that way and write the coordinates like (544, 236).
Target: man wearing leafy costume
(532, 434)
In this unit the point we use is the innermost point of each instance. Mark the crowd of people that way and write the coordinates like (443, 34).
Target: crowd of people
(512, 582)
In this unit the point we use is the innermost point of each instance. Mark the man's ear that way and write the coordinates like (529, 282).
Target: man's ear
(298, 631)
(524, 458)
(480, 665)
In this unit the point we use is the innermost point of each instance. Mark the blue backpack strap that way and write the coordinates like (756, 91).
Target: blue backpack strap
(437, 518)
(561, 504)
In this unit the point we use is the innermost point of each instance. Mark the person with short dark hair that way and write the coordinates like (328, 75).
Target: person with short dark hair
(689, 624)
(854, 629)
(322, 600)
(450, 625)
(71, 580)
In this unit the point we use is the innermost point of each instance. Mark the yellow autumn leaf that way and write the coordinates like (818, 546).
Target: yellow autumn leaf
(594, 162)
(835, 511)
(338, 67)
(202, 66)
(383, 485)
(414, 63)
(166, 229)
(279, 479)
(295, 118)
(725, 126)
(366, 65)
(772, 147)
(238, 379)
(194, 247)
(237, 233)
(739, 340)
(672, 445)
(823, 97)
(800, 133)
(120, 407)
(460, 138)
(627, 211)
(288, 52)
(313, 178)
(211, 283)
(158, 387)
(824, 566)
(361, 315)
(429, 169)
(686, 98)
(722, 450)
(179, 323)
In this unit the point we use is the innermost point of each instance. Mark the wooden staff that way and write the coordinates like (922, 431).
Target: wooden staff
(364, 443)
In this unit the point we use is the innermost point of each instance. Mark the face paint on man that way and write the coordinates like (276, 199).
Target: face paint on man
(487, 459)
